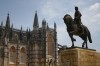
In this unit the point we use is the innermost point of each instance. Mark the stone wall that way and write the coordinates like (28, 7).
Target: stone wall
(98, 59)
(79, 57)
(86, 57)
(1, 56)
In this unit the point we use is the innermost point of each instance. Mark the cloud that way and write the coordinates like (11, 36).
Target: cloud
(62, 36)
(95, 6)
(91, 17)
(49, 10)
(55, 10)
(97, 15)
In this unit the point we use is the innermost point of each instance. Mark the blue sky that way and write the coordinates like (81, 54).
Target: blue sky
(22, 14)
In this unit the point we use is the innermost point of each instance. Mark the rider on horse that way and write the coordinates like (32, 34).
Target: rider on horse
(77, 18)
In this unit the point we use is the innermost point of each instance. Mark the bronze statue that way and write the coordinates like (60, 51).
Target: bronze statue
(77, 18)
(72, 29)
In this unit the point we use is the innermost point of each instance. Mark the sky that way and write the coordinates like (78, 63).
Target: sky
(22, 14)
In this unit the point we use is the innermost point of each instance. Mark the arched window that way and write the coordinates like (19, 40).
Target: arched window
(23, 55)
(12, 55)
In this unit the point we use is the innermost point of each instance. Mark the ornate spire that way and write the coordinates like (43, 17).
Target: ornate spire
(12, 26)
(2, 24)
(11, 32)
(7, 27)
(21, 28)
(36, 24)
(43, 21)
(20, 34)
(27, 34)
(55, 26)
(47, 27)
(1, 32)
(27, 30)
(44, 24)
(7, 23)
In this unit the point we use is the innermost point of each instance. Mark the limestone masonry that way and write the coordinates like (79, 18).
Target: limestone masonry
(79, 57)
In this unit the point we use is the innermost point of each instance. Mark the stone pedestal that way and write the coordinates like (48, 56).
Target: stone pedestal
(79, 57)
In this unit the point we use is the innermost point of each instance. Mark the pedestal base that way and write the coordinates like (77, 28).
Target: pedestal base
(79, 57)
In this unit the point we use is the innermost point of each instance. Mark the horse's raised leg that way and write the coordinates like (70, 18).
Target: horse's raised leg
(72, 39)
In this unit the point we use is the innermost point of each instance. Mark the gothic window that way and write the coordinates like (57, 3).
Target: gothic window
(23, 55)
(12, 55)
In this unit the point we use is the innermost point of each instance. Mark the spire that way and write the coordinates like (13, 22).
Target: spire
(27, 30)
(12, 26)
(44, 24)
(11, 32)
(2, 24)
(36, 25)
(27, 34)
(55, 25)
(21, 28)
(43, 21)
(1, 32)
(7, 23)
(47, 27)
(20, 34)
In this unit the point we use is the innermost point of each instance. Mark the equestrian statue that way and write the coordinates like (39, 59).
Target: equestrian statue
(75, 27)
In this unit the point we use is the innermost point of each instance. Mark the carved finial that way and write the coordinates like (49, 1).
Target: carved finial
(2, 23)
(35, 24)
(47, 26)
(12, 25)
(8, 14)
(54, 25)
(36, 11)
(21, 28)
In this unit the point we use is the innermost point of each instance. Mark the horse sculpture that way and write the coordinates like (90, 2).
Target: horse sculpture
(72, 29)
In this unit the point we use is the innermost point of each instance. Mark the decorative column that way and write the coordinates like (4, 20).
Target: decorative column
(6, 52)
(28, 54)
(18, 53)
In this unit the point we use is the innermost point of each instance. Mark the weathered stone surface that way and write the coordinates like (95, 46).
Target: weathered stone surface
(79, 57)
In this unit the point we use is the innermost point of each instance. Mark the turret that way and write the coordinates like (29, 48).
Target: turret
(43, 24)
(1, 31)
(6, 36)
(20, 34)
(55, 26)
(27, 34)
(35, 24)
(7, 27)
(2, 24)
(47, 27)
(55, 40)
(11, 32)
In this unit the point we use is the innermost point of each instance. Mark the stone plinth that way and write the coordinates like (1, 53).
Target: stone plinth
(79, 57)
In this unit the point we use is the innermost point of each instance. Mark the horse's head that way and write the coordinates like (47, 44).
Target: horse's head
(67, 19)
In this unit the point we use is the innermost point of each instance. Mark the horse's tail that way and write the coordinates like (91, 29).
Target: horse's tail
(89, 37)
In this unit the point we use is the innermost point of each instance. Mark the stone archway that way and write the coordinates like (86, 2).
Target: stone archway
(23, 55)
(12, 55)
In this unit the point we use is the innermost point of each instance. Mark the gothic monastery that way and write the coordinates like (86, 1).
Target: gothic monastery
(28, 48)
